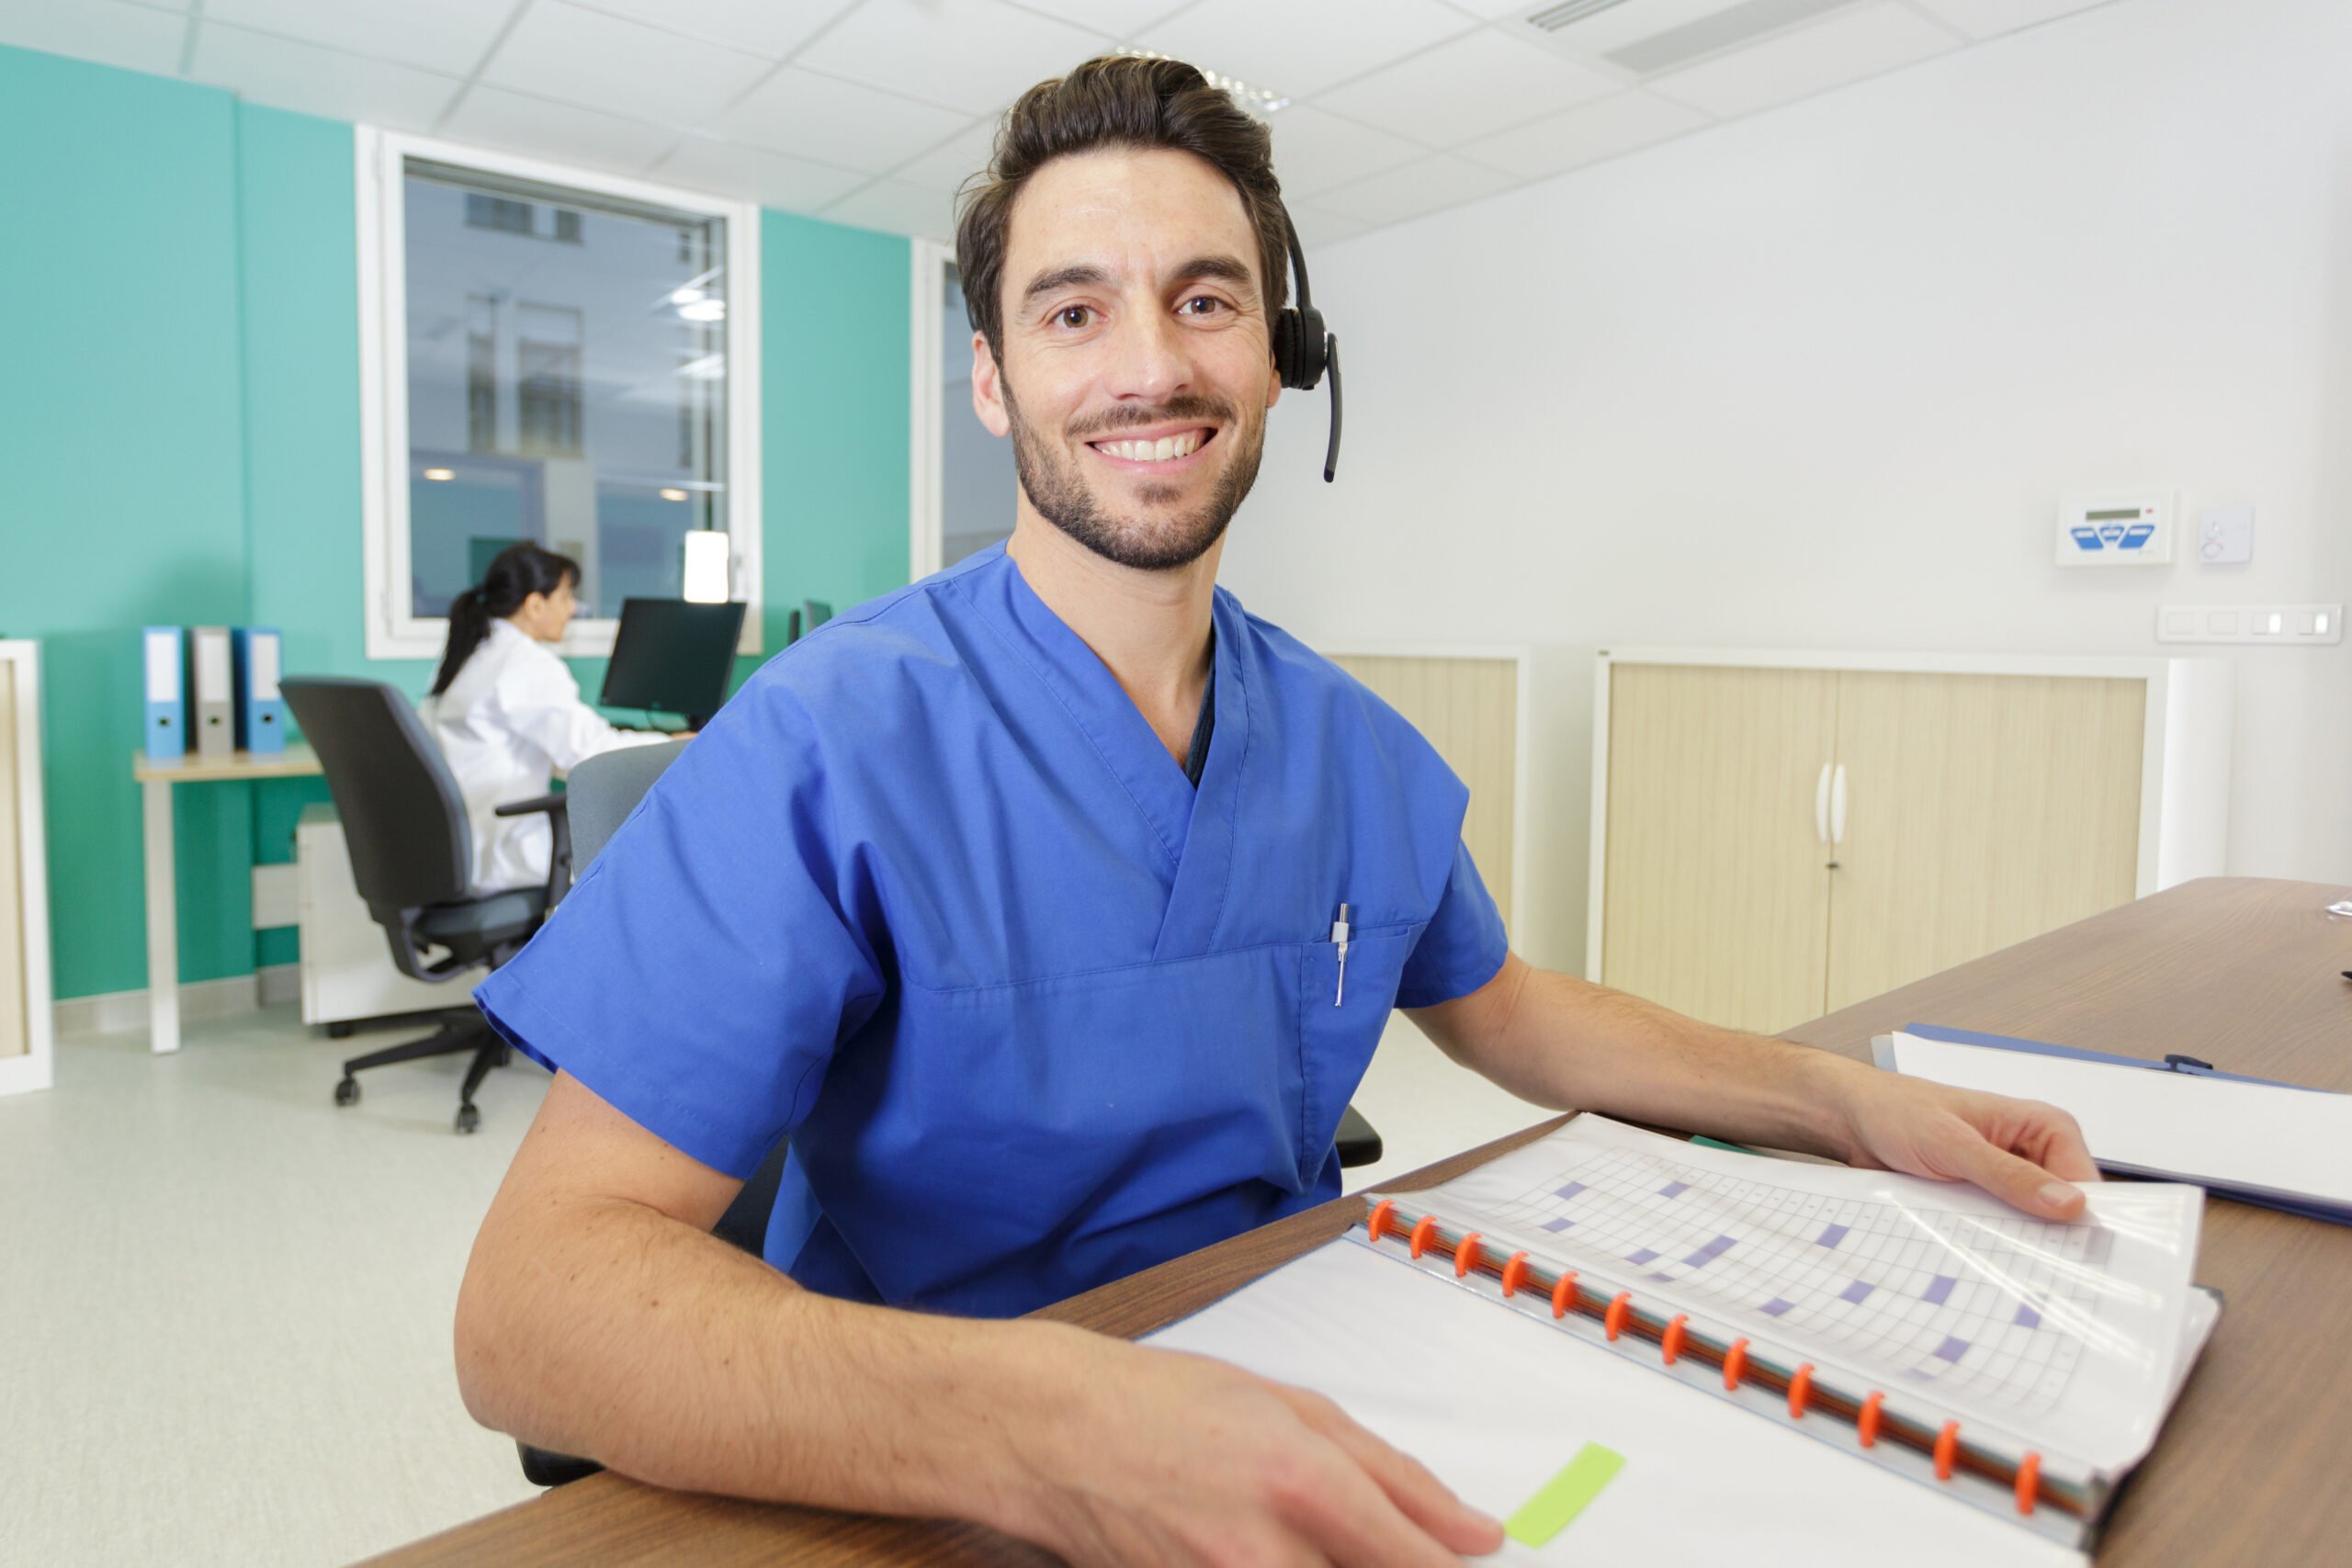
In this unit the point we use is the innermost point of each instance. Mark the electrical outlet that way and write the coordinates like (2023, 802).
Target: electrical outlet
(2306, 626)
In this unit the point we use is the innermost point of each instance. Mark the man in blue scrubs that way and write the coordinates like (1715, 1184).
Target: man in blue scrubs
(1015, 899)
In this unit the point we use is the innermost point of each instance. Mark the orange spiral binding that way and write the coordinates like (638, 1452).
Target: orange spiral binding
(1382, 1212)
(1670, 1343)
(1735, 1362)
(1564, 1294)
(1799, 1392)
(1465, 1255)
(1514, 1272)
(1615, 1320)
(1947, 1449)
(1422, 1234)
(1866, 1424)
(2029, 1482)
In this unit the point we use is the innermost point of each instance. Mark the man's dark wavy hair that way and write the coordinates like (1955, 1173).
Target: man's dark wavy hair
(1116, 101)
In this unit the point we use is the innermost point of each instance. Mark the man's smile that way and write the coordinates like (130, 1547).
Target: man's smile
(1159, 449)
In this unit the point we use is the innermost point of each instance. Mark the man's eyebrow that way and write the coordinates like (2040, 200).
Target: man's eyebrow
(1231, 269)
(1083, 273)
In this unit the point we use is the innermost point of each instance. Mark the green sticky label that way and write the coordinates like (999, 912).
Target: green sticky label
(1564, 1496)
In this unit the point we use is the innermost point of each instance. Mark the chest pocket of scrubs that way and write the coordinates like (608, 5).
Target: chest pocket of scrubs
(1336, 1042)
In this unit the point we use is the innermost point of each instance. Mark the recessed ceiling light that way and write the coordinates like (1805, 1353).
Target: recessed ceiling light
(687, 294)
(440, 473)
(1255, 100)
(673, 495)
(703, 310)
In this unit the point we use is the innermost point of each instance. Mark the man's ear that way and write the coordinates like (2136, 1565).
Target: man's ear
(988, 389)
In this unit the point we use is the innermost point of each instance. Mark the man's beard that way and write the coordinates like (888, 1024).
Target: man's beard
(1062, 497)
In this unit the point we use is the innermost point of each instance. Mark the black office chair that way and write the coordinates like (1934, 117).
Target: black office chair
(411, 856)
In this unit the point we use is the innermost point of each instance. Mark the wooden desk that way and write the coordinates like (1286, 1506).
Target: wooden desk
(156, 778)
(2244, 973)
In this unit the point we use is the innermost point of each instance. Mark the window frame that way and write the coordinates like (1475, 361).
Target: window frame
(380, 155)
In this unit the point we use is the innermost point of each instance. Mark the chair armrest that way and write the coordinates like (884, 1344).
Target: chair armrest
(559, 811)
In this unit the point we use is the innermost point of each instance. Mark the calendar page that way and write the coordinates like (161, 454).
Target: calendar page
(2068, 1335)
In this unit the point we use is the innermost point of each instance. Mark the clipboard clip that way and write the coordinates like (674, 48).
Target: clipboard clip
(2179, 1064)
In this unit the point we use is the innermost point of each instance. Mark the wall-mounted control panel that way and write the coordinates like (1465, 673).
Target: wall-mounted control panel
(2115, 527)
(2225, 535)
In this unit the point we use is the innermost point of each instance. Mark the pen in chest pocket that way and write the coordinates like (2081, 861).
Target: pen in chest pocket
(1339, 936)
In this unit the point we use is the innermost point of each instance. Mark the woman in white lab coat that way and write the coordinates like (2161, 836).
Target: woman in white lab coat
(507, 712)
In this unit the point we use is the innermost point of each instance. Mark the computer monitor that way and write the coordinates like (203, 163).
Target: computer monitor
(673, 655)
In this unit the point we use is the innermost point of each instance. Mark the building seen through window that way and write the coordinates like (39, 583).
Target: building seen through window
(567, 382)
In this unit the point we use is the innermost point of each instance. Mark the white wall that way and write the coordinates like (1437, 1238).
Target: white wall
(1816, 379)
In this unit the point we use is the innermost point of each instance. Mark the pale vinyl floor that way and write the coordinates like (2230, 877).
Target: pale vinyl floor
(225, 1303)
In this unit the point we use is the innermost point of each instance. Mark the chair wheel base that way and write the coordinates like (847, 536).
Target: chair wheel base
(347, 1092)
(468, 1119)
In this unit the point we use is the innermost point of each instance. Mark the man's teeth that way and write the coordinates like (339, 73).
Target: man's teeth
(1159, 451)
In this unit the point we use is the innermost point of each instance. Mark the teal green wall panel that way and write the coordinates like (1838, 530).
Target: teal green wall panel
(119, 433)
(179, 419)
(833, 393)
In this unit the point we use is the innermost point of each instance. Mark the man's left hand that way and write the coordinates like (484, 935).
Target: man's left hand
(2027, 1153)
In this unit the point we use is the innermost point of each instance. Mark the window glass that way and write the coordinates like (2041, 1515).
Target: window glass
(567, 383)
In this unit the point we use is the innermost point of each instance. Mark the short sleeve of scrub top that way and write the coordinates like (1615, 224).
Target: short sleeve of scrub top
(699, 976)
(1463, 945)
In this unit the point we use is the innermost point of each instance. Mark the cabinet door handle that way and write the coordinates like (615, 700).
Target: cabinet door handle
(1821, 806)
(1837, 805)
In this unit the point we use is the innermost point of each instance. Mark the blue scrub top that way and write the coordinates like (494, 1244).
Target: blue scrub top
(930, 896)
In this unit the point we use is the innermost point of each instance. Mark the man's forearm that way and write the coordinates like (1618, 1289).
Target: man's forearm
(1563, 1042)
(614, 1331)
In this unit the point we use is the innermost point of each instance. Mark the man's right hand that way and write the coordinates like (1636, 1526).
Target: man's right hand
(1164, 1458)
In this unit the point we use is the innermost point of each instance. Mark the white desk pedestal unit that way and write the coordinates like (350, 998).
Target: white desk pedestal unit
(347, 971)
(24, 1021)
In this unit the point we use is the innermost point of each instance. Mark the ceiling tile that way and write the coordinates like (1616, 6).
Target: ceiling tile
(974, 55)
(770, 27)
(1112, 18)
(603, 62)
(492, 117)
(948, 166)
(769, 178)
(1317, 227)
(1585, 135)
(1840, 49)
(1439, 180)
(1469, 86)
(311, 80)
(129, 36)
(1983, 18)
(895, 208)
(1314, 151)
(1301, 47)
(448, 35)
(834, 121)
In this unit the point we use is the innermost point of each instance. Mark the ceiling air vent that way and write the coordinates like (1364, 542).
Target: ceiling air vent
(1727, 29)
(1552, 18)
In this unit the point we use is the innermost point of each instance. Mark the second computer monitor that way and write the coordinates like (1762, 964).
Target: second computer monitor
(673, 655)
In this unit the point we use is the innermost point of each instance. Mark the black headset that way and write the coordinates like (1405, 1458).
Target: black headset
(1304, 349)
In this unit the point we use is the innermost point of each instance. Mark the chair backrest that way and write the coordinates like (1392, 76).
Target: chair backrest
(601, 791)
(403, 818)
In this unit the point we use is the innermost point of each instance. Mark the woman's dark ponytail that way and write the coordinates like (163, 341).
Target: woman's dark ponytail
(515, 573)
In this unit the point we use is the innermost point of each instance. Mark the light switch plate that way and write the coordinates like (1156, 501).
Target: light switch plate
(2303, 626)
(2225, 536)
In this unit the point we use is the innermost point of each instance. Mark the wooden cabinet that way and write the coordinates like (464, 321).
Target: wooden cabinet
(1775, 836)
(24, 1021)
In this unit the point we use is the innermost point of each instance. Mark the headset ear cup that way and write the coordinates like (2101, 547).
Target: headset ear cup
(1286, 347)
(1299, 353)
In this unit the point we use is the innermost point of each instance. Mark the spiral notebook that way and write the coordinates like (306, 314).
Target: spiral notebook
(1636, 1349)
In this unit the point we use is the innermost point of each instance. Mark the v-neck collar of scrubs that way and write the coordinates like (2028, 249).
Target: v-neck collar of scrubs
(1194, 825)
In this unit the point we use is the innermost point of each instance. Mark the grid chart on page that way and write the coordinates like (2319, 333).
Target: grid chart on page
(1883, 1285)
